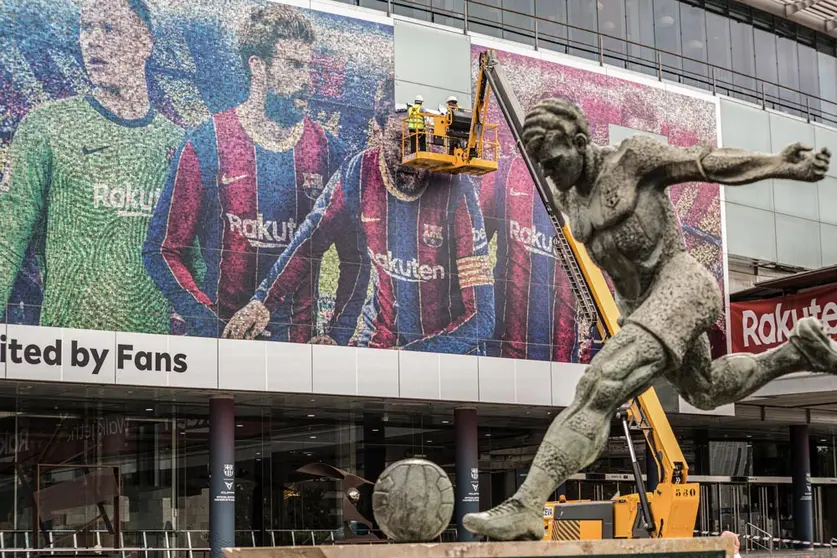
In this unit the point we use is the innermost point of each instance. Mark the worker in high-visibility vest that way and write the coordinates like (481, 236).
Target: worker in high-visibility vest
(415, 124)
(452, 105)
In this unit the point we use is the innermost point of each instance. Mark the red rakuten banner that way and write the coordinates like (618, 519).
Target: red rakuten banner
(763, 324)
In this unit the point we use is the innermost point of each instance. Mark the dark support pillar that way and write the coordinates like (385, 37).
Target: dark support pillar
(803, 509)
(467, 470)
(374, 462)
(374, 447)
(221, 475)
(702, 458)
(652, 475)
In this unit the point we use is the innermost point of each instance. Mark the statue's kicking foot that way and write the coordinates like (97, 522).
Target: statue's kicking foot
(510, 521)
(810, 338)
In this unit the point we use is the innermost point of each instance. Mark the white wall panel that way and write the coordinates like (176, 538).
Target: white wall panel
(242, 365)
(289, 367)
(533, 382)
(377, 372)
(565, 378)
(750, 232)
(497, 383)
(419, 375)
(334, 370)
(201, 355)
(798, 242)
(459, 378)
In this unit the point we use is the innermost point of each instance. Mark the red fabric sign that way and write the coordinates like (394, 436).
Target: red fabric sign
(760, 325)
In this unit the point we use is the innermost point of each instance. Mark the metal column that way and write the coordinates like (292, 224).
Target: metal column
(803, 508)
(467, 470)
(221, 474)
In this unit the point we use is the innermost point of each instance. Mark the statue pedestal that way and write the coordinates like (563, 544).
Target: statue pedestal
(702, 547)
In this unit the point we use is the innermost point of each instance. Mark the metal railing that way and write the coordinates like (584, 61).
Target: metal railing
(755, 536)
(190, 543)
(616, 51)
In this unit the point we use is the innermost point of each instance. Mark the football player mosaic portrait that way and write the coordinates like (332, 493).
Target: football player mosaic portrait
(231, 168)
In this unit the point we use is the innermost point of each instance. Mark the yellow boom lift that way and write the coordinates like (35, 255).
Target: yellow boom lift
(668, 511)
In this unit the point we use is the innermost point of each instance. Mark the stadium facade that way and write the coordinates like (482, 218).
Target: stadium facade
(137, 227)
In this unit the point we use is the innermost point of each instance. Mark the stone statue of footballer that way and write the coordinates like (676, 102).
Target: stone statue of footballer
(618, 207)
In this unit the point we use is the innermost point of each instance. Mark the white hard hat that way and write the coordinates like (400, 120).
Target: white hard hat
(451, 99)
(419, 99)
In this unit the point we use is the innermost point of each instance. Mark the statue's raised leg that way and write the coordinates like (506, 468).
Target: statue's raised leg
(624, 368)
(708, 384)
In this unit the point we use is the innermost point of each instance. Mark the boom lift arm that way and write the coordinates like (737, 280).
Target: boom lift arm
(673, 504)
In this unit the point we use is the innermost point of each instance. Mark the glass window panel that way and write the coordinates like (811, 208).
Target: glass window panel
(693, 43)
(552, 35)
(788, 72)
(809, 80)
(766, 64)
(583, 15)
(444, 11)
(639, 23)
(743, 60)
(667, 35)
(516, 26)
(828, 83)
(612, 22)
(421, 11)
(719, 49)
(485, 20)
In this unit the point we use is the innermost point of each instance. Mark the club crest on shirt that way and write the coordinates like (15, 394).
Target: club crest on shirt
(312, 185)
(432, 236)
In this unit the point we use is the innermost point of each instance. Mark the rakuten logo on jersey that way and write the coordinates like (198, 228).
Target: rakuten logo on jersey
(128, 201)
(772, 328)
(533, 240)
(407, 270)
(261, 232)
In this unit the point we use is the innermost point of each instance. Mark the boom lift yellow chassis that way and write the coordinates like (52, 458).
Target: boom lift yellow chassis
(669, 510)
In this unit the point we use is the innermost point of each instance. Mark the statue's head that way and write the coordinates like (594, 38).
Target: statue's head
(556, 135)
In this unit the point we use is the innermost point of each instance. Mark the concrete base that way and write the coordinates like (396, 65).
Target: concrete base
(702, 547)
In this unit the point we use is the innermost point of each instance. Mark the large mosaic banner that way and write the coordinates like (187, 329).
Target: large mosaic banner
(535, 306)
(230, 169)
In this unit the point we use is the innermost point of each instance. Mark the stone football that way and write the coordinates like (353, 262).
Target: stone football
(413, 501)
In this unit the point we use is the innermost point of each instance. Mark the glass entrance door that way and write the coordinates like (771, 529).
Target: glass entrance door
(825, 512)
(816, 493)
(709, 519)
(764, 508)
(733, 507)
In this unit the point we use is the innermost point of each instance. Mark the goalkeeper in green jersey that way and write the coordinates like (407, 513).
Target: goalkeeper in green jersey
(83, 179)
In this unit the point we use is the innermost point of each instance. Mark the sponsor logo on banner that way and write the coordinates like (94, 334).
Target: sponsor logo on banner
(533, 240)
(261, 232)
(763, 324)
(406, 270)
(128, 201)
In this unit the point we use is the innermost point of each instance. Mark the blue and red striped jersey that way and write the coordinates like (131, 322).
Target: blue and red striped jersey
(535, 305)
(243, 202)
(427, 255)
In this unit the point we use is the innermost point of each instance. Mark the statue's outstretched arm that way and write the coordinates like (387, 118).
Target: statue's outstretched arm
(668, 165)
